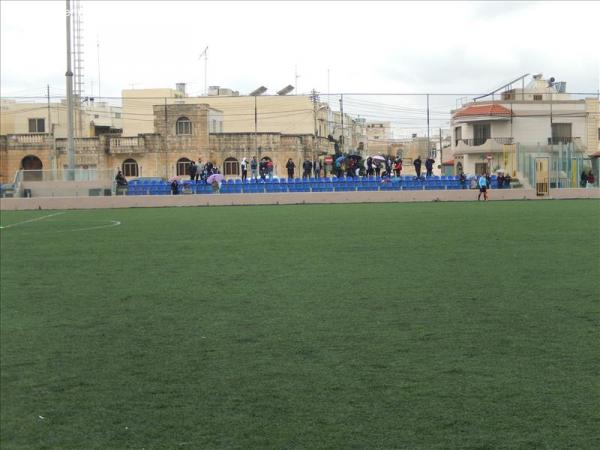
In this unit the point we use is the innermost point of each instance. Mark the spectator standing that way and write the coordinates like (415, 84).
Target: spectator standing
(591, 179)
(174, 187)
(500, 180)
(317, 168)
(262, 169)
(270, 169)
(199, 169)
(193, 169)
(307, 166)
(254, 168)
(290, 168)
(463, 180)
(398, 167)
(244, 167)
(369, 166)
(583, 179)
(417, 164)
(429, 166)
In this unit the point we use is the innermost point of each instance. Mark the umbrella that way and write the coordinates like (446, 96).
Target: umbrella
(174, 179)
(340, 160)
(355, 157)
(378, 158)
(501, 171)
(215, 177)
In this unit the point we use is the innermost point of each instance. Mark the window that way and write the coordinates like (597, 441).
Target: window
(481, 133)
(231, 167)
(183, 166)
(599, 134)
(130, 168)
(183, 126)
(37, 126)
(537, 97)
(96, 116)
(561, 133)
(117, 115)
(457, 135)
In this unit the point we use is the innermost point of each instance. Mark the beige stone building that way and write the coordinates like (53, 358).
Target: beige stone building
(180, 133)
(90, 118)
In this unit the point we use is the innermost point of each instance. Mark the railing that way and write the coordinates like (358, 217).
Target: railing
(38, 138)
(480, 141)
(125, 142)
(561, 140)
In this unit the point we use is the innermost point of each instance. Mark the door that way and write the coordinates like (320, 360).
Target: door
(481, 133)
(541, 176)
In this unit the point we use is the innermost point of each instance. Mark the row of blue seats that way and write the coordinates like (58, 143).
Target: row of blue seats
(275, 188)
(403, 178)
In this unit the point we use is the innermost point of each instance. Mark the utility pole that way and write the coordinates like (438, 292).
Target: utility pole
(441, 159)
(165, 142)
(205, 54)
(315, 100)
(428, 141)
(256, 127)
(49, 117)
(69, 76)
(343, 141)
(98, 53)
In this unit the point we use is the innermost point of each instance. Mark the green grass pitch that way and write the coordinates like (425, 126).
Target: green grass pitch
(367, 326)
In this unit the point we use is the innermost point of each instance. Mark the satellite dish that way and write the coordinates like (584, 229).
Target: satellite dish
(551, 82)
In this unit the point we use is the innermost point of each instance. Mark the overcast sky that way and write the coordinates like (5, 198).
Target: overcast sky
(368, 47)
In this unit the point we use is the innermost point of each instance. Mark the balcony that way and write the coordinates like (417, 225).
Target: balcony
(480, 141)
(29, 138)
(480, 145)
(120, 145)
(558, 140)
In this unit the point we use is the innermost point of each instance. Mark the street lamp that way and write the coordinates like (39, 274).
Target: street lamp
(255, 93)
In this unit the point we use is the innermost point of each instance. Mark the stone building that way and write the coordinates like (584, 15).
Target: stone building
(182, 133)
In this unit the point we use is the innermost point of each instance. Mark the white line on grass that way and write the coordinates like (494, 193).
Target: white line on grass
(113, 223)
(30, 220)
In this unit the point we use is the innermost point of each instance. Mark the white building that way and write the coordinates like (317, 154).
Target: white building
(485, 133)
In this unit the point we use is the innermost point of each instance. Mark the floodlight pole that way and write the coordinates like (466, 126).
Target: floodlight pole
(256, 127)
(69, 76)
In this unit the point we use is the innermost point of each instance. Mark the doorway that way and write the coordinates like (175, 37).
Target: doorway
(541, 176)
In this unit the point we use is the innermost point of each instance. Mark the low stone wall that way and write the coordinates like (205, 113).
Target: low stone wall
(147, 201)
(65, 188)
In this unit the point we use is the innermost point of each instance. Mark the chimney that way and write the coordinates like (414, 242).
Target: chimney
(180, 88)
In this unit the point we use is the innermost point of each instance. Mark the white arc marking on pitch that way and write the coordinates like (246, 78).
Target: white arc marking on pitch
(113, 223)
(32, 220)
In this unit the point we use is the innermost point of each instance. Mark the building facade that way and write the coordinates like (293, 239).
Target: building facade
(181, 133)
(485, 133)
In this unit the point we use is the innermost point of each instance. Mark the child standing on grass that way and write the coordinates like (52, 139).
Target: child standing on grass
(482, 188)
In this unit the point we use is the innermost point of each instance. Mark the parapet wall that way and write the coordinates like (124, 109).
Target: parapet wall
(150, 201)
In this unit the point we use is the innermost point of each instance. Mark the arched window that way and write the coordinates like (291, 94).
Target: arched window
(130, 168)
(183, 126)
(231, 167)
(32, 165)
(459, 167)
(183, 166)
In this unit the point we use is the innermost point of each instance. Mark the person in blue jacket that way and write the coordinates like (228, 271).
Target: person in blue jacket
(483, 186)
